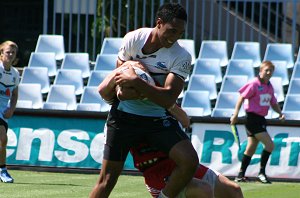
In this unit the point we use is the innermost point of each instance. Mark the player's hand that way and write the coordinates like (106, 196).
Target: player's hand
(282, 117)
(233, 119)
(126, 77)
(8, 113)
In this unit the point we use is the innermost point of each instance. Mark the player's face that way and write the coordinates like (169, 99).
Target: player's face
(170, 32)
(8, 55)
(266, 73)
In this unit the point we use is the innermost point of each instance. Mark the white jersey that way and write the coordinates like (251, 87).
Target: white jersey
(9, 80)
(175, 60)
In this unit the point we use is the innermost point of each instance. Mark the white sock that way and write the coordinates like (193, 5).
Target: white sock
(162, 195)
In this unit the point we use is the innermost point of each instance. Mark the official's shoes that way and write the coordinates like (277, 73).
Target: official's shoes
(263, 179)
(241, 179)
(5, 176)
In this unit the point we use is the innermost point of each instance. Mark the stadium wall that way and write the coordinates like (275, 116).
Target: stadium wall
(74, 140)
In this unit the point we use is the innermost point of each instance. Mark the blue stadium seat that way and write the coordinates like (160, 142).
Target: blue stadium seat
(70, 77)
(294, 87)
(91, 96)
(200, 82)
(196, 103)
(106, 62)
(51, 43)
(60, 95)
(278, 88)
(240, 67)
(111, 45)
(296, 71)
(214, 49)
(291, 103)
(292, 115)
(281, 71)
(233, 83)
(88, 107)
(280, 52)
(225, 105)
(189, 45)
(36, 75)
(30, 96)
(77, 61)
(247, 50)
(206, 66)
(56, 105)
(44, 59)
(96, 78)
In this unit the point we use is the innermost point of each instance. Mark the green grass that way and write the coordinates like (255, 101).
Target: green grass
(63, 185)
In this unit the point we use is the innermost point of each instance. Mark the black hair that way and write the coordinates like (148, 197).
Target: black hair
(167, 12)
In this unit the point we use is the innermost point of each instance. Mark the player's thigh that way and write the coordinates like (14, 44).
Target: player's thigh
(251, 145)
(196, 188)
(265, 138)
(225, 187)
(3, 135)
(111, 170)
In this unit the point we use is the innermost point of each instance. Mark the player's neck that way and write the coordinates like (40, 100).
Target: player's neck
(152, 44)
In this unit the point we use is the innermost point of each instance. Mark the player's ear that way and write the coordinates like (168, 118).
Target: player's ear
(159, 22)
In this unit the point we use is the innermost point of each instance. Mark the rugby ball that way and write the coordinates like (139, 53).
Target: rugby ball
(142, 74)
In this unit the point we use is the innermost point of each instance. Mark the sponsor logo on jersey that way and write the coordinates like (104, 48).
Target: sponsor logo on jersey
(144, 57)
(144, 77)
(260, 88)
(185, 67)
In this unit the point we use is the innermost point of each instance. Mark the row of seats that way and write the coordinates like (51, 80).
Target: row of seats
(207, 68)
(60, 97)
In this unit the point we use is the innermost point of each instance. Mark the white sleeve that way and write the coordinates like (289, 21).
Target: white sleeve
(182, 67)
(125, 53)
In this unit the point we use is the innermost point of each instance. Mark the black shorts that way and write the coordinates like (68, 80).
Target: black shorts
(255, 124)
(124, 131)
(3, 123)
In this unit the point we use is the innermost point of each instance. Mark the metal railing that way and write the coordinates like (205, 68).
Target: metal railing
(85, 23)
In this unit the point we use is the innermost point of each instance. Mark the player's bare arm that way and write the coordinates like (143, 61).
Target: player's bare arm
(164, 96)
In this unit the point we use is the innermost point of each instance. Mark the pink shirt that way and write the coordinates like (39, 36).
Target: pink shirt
(259, 96)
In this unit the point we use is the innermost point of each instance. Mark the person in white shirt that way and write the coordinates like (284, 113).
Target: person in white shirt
(9, 81)
(131, 122)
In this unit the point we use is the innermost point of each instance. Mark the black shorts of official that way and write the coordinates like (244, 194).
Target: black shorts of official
(124, 131)
(3, 123)
(255, 124)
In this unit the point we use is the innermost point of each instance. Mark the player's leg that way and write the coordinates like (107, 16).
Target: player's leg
(227, 188)
(108, 178)
(268, 148)
(4, 175)
(197, 188)
(170, 138)
(3, 143)
(250, 150)
(186, 159)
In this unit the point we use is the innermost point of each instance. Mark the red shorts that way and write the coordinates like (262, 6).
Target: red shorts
(156, 176)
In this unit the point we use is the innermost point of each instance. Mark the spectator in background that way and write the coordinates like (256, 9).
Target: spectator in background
(9, 81)
(259, 96)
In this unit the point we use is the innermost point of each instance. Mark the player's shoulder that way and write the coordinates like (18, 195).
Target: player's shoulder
(138, 33)
(14, 71)
(180, 52)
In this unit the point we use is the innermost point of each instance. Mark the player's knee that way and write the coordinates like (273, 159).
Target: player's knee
(269, 147)
(108, 181)
(237, 191)
(204, 190)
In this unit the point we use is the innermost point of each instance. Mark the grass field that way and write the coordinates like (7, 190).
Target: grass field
(29, 184)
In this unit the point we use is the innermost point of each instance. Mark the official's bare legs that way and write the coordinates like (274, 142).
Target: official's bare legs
(3, 143)
(108, 178)
(186, 159)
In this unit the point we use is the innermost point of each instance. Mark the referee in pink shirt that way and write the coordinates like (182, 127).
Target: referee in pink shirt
(258, 95)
